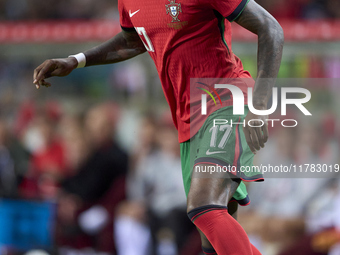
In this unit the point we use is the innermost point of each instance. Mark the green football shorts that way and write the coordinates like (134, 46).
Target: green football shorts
(221, 143)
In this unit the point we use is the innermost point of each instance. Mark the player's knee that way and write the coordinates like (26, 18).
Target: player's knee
(192, 211)
(190, 208)
(195, 212)
(202, 198)
(195, 202)
(198, 200)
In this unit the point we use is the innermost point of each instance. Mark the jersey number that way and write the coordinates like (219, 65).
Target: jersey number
(148, 45)
(214, 130)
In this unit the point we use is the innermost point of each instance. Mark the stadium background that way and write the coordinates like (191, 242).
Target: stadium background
(54, 141)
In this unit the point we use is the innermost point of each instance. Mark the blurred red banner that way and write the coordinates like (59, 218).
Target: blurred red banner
(298, 30)
(85, 31)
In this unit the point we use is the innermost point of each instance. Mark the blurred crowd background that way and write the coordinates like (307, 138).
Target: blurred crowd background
(37, 10)
(91, 165)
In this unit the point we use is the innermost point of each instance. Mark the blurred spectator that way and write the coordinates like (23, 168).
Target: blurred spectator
(105, 156)
(157, 199)
(280, 205)
(75, 142)
(88, 198)
(129, 79)
(18, 154)
(146, 142)
(47, 165)
(8, 180)
(317, 144)
(322, 224)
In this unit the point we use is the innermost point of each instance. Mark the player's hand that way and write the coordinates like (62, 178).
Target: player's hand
(53, 67)
(256, 134)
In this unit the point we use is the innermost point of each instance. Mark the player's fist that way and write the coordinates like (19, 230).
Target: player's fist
(53, 67)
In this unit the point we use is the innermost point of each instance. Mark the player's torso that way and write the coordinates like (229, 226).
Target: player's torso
(186, 39)
(160, 16)
(173, 28)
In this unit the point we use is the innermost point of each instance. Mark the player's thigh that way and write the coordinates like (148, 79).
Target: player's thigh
(205, 190)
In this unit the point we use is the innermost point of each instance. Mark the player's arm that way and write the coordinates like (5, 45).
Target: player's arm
(123, 46)
(270, 44)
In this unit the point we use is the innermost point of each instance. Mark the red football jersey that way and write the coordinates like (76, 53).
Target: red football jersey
(187, 39)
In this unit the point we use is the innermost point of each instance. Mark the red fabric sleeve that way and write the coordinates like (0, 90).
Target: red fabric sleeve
(229, 9)
(124, 17)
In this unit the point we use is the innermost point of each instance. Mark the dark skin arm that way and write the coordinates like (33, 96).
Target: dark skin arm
(270, 44)
(123, 46)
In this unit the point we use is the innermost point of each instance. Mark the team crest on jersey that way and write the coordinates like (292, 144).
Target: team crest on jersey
(173, 9)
